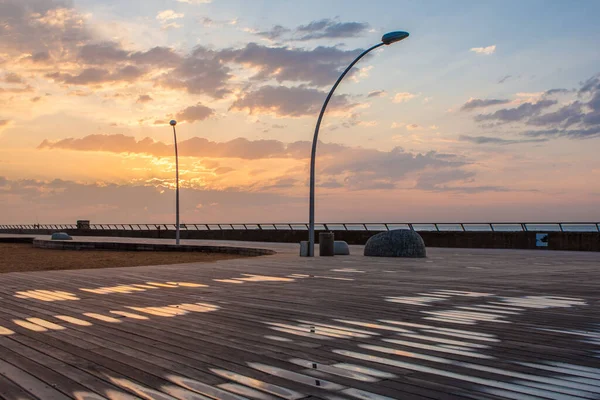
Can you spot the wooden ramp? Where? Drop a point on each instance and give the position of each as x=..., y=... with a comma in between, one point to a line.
x=479, y=324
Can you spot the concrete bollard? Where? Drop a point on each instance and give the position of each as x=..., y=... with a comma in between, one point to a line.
x=326, y=244
x=304, y=249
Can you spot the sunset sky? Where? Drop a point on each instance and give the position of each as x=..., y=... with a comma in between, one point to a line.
x=489, y=111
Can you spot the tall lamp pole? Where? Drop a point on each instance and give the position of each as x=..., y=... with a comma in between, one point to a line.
x=173, y=123
x=387, y=39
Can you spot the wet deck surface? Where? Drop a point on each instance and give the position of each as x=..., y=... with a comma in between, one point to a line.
x=481, y=324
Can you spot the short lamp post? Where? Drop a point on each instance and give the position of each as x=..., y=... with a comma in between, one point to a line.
x=387, y=39
x=173, y=123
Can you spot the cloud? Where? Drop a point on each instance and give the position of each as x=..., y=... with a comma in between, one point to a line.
x=11, y=77
x=504, y=78
x=168, y=15
x=403, y=97
x=583, y=133
x=565, y=116
x=195, y=1
x=144, y=98
x=40, y=27
x=195, y=113
x=194, y=147
x=130, y=203
x=523, y=112
x=577, y=119
x=413, y=127
x=4, y=122
x=274, y=33
x=201, y=72
x=102, y=53
x=496, y=140
x=110, y=53
x=377, y=93
x=319, y=67
x=481, y=103
x=286, y=101
x=358, y=168
x=331, y=29
x=433, y=179
x=321, y=29
x=484, y=50
x=96, y=76
x=158, y=56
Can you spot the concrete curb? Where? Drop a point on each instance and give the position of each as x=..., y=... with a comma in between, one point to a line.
x=117, y=246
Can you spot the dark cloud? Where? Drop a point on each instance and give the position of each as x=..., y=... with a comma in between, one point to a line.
x=40, y=57
x=195, y=113
x=110, y=53
x=556, y=91
x=157, y=56
x=504, y=78
x=94, y=76
x=321, y=29
x=331, y=29
x=319, y=67
x=194, y=147
x=288, y=101
x=102, y=53
x=481, y=103
x=11, y=77
x=377, y=93
x=496, y=140
x=566, y=116
x=144, y=98
x=583, y=133
x=40, y=26
x=274, y=33
x=202, y=72
x=579, y=119
x=523, y=112
x=373, y=169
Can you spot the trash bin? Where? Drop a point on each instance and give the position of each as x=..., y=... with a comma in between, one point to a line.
x=326, y=244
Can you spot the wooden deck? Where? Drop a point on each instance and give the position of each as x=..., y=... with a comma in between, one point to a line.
x=479, y=324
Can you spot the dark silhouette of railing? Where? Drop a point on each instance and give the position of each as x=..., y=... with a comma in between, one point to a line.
x=370, y=227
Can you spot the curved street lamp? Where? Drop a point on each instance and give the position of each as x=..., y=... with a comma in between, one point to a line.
x=173, y=123
x=387, y=39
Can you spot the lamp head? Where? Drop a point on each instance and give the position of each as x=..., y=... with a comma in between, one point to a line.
x=173, y=122
x=393, y=37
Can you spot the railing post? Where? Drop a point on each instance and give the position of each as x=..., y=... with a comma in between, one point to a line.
x=462, y=227
x=560, y=227
x=437, y=228
x=492, y=227
x=524, y=227
x=410, y=226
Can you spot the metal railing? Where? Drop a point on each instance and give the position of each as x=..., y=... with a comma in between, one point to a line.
x=371, y=227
